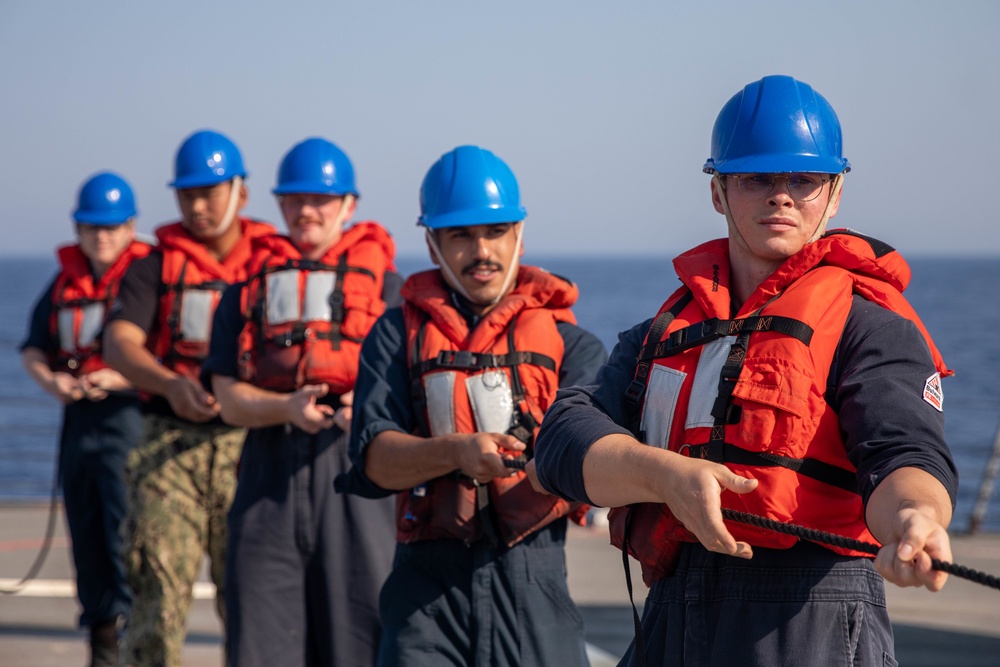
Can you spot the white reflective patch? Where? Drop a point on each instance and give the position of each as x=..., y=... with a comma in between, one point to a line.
x=705, y=388
x=93, y=320
x=439, y=388
x=67, y=337
x=90, y=326
x=197, y=307
x=282, y=297
x=319, y=287
x=658, y=409
x=492, y=401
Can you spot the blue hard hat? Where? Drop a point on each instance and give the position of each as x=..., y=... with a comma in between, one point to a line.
x=316, y=166
x=206, y=158
x=105, y=199
x=469, y=186
x=777, y=125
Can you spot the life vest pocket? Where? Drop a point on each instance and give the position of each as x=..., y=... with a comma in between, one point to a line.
x=766, y=385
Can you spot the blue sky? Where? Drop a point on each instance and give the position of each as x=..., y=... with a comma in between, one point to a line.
x=604, y=110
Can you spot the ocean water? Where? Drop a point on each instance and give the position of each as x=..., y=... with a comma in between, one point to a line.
x=956, y=297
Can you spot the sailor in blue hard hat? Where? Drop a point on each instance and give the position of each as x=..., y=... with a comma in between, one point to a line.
x=208, y=180
x=450, y=388
x=283, y=363
x=183, y=471
x=787, y=380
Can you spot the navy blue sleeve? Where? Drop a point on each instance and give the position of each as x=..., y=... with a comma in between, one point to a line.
x=381, y=399
x=583, y=355
x=139, y=293
x=584, y=414
x=883, y=364
x=39, y=335
x=391, y=284
x=224, y=348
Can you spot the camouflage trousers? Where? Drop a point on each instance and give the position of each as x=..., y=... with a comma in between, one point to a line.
x=181, y=481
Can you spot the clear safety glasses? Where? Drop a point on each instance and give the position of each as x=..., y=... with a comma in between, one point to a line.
x=801, y=187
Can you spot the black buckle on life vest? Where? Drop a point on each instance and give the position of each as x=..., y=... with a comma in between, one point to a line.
x=465, y=359
x=635, y=392
x=336, y=301
x=288, y=339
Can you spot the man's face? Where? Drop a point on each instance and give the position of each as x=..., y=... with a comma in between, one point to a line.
x=102, y=244
x=203, y=210
x=773, y=223
x=315, y=221
x=480, y=256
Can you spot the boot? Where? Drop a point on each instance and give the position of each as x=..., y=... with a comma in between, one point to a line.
x=104, y=644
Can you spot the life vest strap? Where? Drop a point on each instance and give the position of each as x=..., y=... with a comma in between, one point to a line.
x=724, y=452
x=713, y=329
x=298, y=335
x=470, y=361
x=316, y=265
x=637, y=389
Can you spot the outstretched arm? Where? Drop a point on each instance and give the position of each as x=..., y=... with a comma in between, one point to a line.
x=909, y=513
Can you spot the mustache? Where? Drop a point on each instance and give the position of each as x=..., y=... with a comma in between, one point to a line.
x=482, y=264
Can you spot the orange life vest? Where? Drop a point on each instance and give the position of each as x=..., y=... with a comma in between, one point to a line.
x=750, y=392
x=306, y=320
x=499, y=377
x=192, y=283
x=80, y=306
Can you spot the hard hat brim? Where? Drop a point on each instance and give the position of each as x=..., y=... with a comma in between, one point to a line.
x=313, y=188
x=474, y=217
x=104, y=218
x=778, y=164
x=201, y=181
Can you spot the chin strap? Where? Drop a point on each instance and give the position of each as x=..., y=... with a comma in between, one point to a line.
x=234, y=199
x=508, y=280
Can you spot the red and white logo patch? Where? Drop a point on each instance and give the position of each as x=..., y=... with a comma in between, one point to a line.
x=933, y=393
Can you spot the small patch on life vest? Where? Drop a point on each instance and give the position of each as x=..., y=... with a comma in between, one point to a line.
x=932, y=392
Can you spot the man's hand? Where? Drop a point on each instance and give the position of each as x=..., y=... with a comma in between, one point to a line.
x=65, y=388
x=480, y=455
x=906, y=560
x=342, y=417
x=97, y=384
x=692, y=489
x=306, y=413
x=190, y=401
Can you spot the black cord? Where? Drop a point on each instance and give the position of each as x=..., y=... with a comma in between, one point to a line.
x=46, y=542
x=827, y=538
x=867, y=547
